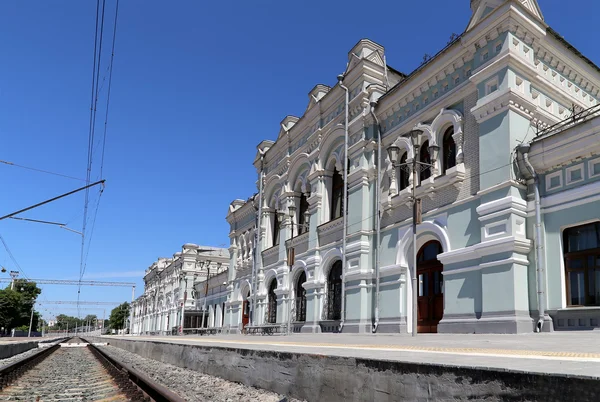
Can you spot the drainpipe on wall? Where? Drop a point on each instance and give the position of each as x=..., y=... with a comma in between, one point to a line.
x=377, y=216
x=523, y=150
x=344, y=203
x=257, y=242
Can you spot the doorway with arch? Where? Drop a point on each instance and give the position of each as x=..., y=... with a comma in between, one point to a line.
x=430, y=287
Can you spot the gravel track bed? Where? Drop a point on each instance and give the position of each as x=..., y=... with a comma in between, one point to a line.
x=192, y=385
x=68, y=374
x=12, y=359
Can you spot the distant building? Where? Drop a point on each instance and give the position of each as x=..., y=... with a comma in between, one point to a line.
x=168, y=281
x=507, y=80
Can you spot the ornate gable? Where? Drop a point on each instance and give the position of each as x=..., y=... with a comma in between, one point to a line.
x=315, y=94
x=481, y=9
x=365, y=49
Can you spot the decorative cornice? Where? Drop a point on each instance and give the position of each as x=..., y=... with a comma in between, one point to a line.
x=331, y=226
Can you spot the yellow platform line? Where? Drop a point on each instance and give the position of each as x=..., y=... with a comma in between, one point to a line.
x=408, y=348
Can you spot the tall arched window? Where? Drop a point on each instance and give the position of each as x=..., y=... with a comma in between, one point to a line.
x=425, y=157
x=272, y=303
x=275, y=229
x=334, y=292
x=337, y=195
x=301, y=298
x=403, y=174
x=302, y=214
x=449, y=150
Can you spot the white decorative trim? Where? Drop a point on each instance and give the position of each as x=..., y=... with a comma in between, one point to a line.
x=331, y=226
x=572, y=143
x=572, y=169
x=549, y=178
x=501, y=207
x=486, y=248
x=570, y=198
x=500, y=186
x=390, y=270
x=480, y=267
x=405, y=239
x=454, y=176
x=496, y=229
x=357, y=247
x=492, y=86
x=591, y=165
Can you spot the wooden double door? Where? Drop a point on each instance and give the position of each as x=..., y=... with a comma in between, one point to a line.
x=430, y=288
x=245, y=313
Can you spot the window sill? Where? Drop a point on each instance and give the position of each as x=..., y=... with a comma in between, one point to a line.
x=428, y=187
x=454, y=177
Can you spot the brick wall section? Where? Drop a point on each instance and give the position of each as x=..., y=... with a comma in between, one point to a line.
x=470, y=185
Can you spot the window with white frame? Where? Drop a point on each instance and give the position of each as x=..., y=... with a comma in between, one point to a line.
x=554, y=180
x=491, y=86
x=574, y=174
x=594, y=168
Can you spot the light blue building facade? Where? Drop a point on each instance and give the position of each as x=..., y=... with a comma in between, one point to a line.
x=326, y=243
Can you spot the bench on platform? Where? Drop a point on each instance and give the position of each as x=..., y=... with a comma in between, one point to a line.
x=202, y=331
x=265, y=329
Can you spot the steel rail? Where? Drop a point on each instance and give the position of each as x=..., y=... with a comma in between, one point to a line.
x=10, y=372
x=131, y=381
x=155, y=391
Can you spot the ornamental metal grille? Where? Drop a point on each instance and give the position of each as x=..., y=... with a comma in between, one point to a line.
x=272, y=307
x=300, y=299
x=334, y=292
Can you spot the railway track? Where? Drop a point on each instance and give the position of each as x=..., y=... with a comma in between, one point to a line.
x=77, y=371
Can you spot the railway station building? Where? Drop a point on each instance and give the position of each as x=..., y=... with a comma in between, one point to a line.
x=173, y=283
x=503, y=116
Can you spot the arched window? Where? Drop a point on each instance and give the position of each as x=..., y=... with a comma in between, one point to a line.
x=272, y=306
x=403, y=174
x=334, y=292
x=302, y=227
x=275, y=229
x=337, y=195
x=429, y=252
x=449, y=150
x=425, y=157
x=301, y=298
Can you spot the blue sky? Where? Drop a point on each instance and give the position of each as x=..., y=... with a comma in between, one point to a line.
x=196, y=86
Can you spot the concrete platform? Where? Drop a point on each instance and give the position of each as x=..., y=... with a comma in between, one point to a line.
x=566, y=353
x=344, y=367
x=13, y=346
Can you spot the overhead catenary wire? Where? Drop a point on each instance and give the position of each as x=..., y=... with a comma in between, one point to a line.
x=40, y=170
x=12, y=257
x=93, y=107
x=93, y=144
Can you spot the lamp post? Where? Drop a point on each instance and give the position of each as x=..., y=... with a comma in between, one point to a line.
x=205, y=292
x=290, y=257
x=414, y=167
x=31, y=319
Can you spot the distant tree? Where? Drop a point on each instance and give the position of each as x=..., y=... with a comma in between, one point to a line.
x=10, y=309
x=63, y=321
x=91, y=318
x=118, y=316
